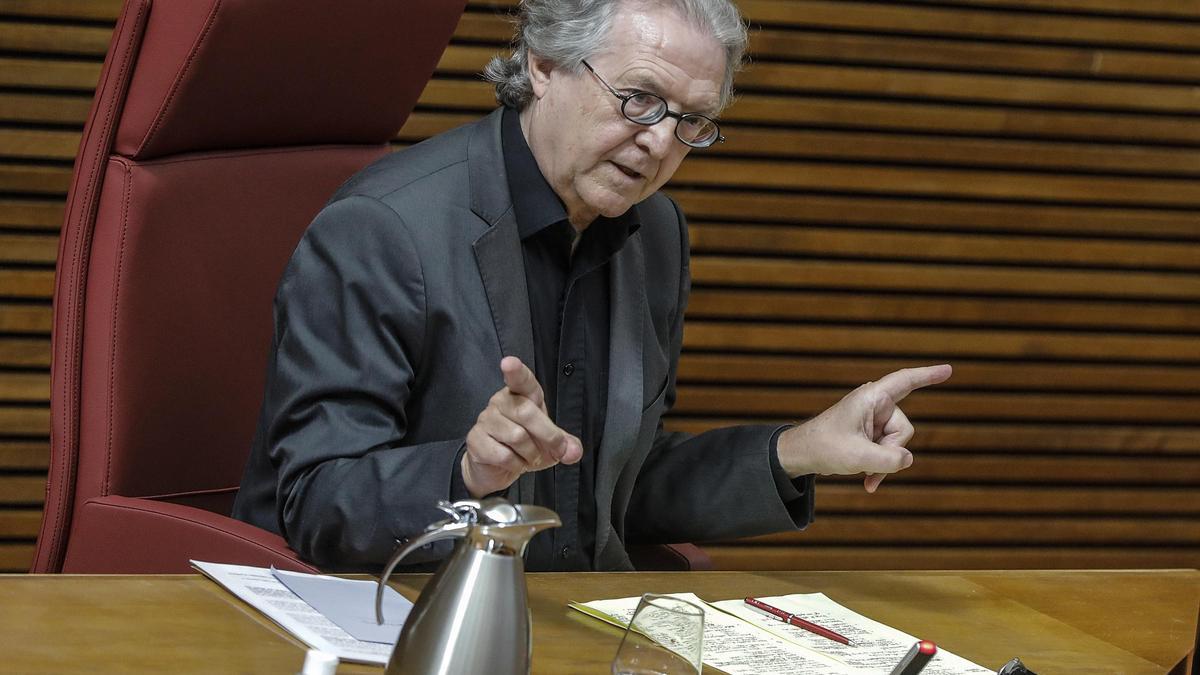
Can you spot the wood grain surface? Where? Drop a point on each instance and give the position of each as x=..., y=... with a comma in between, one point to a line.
x=1093, y=622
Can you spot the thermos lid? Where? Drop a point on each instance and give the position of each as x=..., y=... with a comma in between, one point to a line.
x=496, y=511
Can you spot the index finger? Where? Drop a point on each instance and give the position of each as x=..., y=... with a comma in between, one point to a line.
x=903, y=382
x=520, y=380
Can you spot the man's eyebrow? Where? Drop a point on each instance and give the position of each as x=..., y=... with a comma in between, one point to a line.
x=649, y=85
x=643, y=83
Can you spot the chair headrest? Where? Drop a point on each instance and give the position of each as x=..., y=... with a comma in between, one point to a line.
x=227, y=74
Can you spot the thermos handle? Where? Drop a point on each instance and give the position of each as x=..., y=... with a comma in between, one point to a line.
x=448, y=532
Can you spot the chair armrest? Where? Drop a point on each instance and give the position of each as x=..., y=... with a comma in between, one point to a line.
x=670, y=558
x=127, y=535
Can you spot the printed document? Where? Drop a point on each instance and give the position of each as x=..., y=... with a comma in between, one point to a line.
x=741, y=640
x=259, y=587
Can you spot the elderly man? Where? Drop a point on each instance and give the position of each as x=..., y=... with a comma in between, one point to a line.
x=499, y=310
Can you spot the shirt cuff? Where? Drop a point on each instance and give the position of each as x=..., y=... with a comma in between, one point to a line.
x=458, y=486
x=797, y=494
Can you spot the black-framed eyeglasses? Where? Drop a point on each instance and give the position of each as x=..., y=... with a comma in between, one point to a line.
x=642, y=107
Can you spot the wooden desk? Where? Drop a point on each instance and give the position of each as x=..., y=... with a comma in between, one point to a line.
x=1126, y=622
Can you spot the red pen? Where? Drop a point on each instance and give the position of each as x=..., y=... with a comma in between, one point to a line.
x=794, y=620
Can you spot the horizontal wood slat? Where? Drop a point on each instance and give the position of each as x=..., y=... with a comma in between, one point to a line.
x=35, y=179
x=948, y=557
x=16, y=557
x=31, y=214
x=831, y=177
x=987, y=529
x=53, y=38
x=1146, y=8
x=1026, y=27
x=904, y=148
x=969, y=88
x=25, y=318
x=853, y=307
x=958, y=279
x=933, y=214
x=24, y=352
x=28, y=387
x=98, y=10
x=946, y=343
x=1127, y=407
x=903, y=498
x=20, y=522
x=421, y=125
x=21, y=489
x=1068, y=470
x=26, y=283
x=23, y=143
x=44, y=108
x=25, y=420
x=1025, y=250
x=956, y=55
x=26, y=455
x=1024, y=438
x=49, y=74
x=28, y=248
x=765, y=369
x=943, y=118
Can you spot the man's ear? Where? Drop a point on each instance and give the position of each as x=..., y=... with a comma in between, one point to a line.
x=539, y=73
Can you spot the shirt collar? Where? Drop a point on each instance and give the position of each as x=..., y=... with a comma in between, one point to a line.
x=535, y=204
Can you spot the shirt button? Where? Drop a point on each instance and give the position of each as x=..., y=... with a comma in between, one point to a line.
x=565, y=552
x=568, y=369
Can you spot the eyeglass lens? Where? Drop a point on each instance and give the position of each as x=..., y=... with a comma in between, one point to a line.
x=693, y=129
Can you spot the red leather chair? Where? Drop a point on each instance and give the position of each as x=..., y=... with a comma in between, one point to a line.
x=218, y=130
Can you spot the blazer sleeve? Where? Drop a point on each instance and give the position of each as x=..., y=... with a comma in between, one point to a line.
x=349, y=330
x=719, y=484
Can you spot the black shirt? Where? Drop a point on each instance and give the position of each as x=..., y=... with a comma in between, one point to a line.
x=569, y=306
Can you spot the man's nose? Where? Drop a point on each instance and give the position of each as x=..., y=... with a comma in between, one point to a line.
x=658, y=139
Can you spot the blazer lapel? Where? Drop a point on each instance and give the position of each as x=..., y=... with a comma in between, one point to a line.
x=624, y=416
x=498, y=255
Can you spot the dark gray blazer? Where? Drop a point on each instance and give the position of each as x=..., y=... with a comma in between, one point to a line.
x=390, y=323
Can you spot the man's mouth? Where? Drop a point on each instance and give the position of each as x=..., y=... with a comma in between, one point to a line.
x=627, y=171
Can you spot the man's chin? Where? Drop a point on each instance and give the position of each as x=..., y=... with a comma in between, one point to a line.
x=615, y=204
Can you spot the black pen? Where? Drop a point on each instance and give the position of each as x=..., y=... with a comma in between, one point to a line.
x=916, y=658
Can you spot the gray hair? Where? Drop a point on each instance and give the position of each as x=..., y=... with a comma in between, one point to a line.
x=566, y=32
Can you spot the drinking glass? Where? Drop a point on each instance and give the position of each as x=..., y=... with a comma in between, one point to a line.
x=664, y=637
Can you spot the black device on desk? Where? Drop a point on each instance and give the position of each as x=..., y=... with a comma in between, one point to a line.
x=1015, y=667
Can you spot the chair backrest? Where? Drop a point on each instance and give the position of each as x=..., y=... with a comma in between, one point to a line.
x=218, y=130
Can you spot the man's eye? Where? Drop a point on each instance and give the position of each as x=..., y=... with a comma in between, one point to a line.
x=643, y=99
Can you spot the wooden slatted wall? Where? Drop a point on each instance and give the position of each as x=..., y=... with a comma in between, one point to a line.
x=1008, y=185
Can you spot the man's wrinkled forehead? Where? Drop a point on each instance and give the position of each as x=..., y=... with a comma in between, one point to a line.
x=668, y=38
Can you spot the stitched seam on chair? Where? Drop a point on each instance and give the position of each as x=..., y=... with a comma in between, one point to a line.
x=162, y=111
x=221, y=154
x=116, y=304
x=131, y=507
x=76, y=290
x=191, y=493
